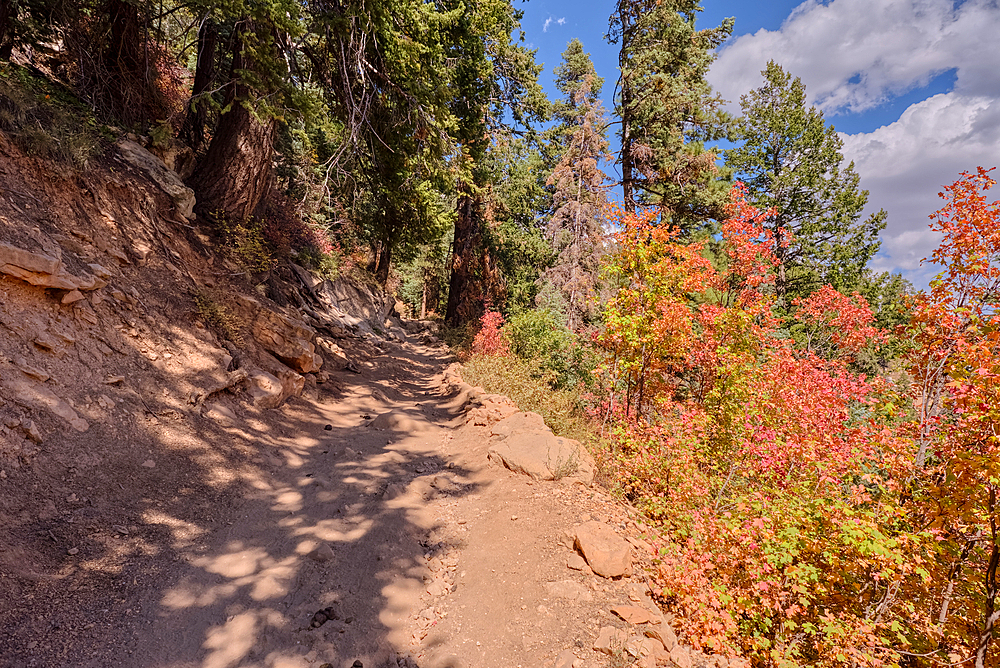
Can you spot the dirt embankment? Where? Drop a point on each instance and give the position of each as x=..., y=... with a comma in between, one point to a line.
x=316, y=487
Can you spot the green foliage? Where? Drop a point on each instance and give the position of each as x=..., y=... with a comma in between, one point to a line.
x=424, y=280
x=668, y=110
x=540, y=337
x=46, y=120
x=790, y=159
x=245, y=245
x=214, y=313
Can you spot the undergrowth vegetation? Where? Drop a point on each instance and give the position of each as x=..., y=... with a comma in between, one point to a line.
x=47, y=121
x=812, y=513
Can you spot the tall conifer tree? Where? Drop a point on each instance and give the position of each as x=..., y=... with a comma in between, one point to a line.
x=790, y=159
x=667, y=109
x=575, y=229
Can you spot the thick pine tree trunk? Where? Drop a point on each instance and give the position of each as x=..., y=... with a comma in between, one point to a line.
x=235, y=174
x=463, y=293
x=193, y=131
x=384, y=260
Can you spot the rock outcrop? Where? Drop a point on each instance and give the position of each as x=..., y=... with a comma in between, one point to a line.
x=168, y=181
x=290, y=339
x=45, y=271
x=524, y=444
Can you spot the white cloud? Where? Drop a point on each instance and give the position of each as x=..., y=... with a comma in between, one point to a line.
x=854, y=55
x=549, y=21
x=906, y=163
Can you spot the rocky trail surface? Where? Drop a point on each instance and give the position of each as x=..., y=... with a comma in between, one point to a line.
x=369, y=527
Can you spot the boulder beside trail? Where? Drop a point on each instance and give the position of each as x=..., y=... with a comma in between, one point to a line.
x=288, y=338
x=608, y=554
x=523, y=444
x=182, y=196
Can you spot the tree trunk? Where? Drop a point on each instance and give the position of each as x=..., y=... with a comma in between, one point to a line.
x=628, y=187
x=235, y=174
x=384, y=259
x=423, y=301
x=193, y=132
x=780, y=282
x=463, y=293
x=990, y=614
x=7, y=15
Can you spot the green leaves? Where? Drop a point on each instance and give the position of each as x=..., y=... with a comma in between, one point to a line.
x=791, y=160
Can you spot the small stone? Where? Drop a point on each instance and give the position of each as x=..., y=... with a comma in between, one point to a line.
x=73, y=550
x=565, y=659
x=651, y=647
x=105, y=402
x=45, y=342
x=611, y=640
x=437, y=588
x=72, y=297
x=29, y=370
x=632, y=614
x=606, y=552
x=634, y=645
x=114, y=380
x=322, y=553
x=664, y=634
x=149, y=463
x=427, y=614
x=32, y=430
x=99, y=271
x=576, y=562
x=681, y=656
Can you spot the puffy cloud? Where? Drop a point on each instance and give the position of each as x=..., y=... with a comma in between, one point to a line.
x=549, y=21
x=906, y=163
x=856, y=54
x=853, y=56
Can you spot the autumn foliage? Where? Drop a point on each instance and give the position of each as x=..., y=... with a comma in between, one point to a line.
x=811, y=515
x=815, y=516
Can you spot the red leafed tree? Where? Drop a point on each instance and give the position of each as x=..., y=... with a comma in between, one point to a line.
x=955, y=363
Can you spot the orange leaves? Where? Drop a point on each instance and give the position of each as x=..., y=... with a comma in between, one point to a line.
x=970, y=250
x=777, y=467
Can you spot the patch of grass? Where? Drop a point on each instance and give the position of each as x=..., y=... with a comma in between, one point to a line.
x=215, y=315
x=46, y=120
x=531, y=388
x=563, y=468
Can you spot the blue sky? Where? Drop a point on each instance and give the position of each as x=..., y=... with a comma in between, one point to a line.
x=913, y=86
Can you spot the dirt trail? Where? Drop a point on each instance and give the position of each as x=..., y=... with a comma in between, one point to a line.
x=438, y=558
x=379, y=505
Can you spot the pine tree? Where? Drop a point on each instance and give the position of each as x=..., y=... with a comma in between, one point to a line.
x=668, y=110
x=492, y=74
x=575, y=229
x=790, y=159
